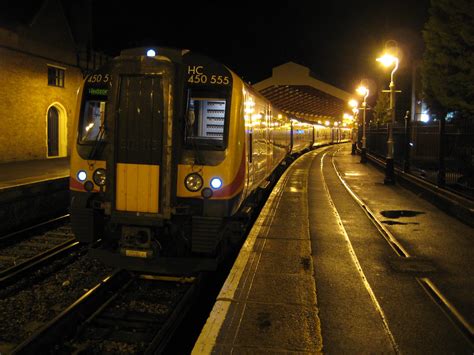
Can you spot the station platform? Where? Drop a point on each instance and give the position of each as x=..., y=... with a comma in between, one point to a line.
x=315, y=275
x=13, y=174
x=32, y=192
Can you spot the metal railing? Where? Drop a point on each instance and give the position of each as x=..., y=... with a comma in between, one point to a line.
x=441, y=155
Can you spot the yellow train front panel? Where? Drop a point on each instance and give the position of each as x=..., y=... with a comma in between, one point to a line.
x=137, y=188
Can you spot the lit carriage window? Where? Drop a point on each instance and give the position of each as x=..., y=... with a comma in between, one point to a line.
x=92, y=124
x=205, y=121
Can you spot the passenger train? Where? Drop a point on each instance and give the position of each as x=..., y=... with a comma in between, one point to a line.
x=172, y=151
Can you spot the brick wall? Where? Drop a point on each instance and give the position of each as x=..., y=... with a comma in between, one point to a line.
x=24, y=100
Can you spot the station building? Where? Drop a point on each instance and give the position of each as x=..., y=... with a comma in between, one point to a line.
x=44, y=55
x=295, y=90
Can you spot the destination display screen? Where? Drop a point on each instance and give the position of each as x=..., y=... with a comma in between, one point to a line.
x=97, y=85
x=94, y=105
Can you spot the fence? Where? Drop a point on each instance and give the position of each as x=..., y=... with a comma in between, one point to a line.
x=442, y=155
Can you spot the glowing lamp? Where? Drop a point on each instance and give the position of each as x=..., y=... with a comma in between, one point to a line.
x=81, y=175
x=362, y=90
x=216, y=183
x=387, y=60
x=353, y=103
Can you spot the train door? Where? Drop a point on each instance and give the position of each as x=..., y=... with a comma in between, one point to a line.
x=249, y=109
x=269, y=139
x=139, y=142
x=259, y=156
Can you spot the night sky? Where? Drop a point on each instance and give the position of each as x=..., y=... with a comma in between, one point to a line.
x=337, y=40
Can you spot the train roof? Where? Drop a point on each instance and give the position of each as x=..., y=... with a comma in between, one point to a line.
x=186, y=56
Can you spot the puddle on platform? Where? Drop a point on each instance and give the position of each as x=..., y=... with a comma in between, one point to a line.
x=391, y=223
x=293, y=189
x=400, y=213
x=353, y=173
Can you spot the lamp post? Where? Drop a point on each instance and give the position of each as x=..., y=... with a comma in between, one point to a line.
x=362, y=90
x=388, y=60
x=353, y=103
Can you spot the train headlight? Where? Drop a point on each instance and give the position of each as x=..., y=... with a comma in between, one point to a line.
x=99, y=177
x=81, y=175
x=216, y=183
x=151, y=53
x=193, y=182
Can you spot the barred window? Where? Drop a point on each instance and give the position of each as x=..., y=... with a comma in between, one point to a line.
x=55, y=76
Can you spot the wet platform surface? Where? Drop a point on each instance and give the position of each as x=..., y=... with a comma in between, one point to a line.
x=32, y=192
x=27, y=172
x=315, y=275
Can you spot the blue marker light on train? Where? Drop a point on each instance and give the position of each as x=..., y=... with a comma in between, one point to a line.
x=81, y=175
x=151, y=53
x=216, y=183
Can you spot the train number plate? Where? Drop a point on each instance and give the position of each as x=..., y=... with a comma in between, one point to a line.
x=137, y=253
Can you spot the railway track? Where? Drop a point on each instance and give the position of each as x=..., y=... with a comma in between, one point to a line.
x=425, y=281
x=47, y=270
x=125, y=313
x=107, y=316
x=14, y=237
x=394, y=247
x=27, y=250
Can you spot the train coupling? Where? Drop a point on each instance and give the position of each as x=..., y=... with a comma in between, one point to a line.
x=138, y=242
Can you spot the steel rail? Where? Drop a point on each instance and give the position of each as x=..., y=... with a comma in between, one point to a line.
x=426, y=283
x=391, y=240
x=165, y=333
x=66, y=322
x=12, y=274
x=7, y=238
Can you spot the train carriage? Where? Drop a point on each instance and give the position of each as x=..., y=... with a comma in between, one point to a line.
x=170, y=147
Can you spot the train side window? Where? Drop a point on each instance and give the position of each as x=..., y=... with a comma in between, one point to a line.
x=92, y=123
x=206, y=119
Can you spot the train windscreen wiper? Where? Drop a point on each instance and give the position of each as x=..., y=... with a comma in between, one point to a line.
x=98, y=139
x=190, y=122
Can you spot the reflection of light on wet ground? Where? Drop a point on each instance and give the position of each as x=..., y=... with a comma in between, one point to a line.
x=353, y=173
x=294, y=189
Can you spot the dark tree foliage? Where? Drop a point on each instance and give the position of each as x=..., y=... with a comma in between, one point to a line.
x=448, y=61
x=381, y=110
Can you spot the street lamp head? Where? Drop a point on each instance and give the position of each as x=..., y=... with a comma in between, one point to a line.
x=363, y=91
x=387, y=60
x=353, y=103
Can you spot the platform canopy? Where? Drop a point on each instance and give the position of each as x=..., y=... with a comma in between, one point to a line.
x=293, y=89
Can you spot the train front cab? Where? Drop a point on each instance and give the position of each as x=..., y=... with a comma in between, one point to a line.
x=160, y=196
x=124, y=127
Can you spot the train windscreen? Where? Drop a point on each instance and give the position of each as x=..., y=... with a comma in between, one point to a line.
x=92, y=123
x=205, y=119
x=94, y=105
